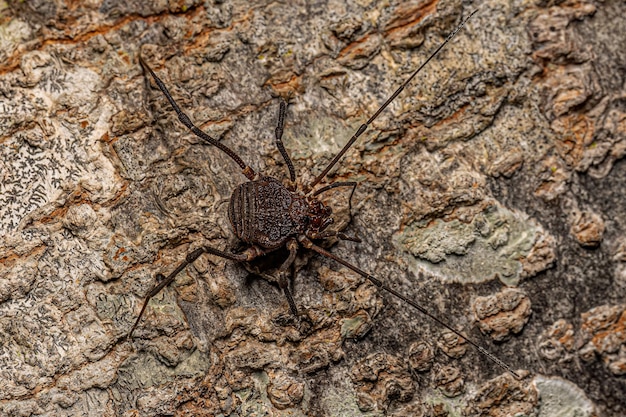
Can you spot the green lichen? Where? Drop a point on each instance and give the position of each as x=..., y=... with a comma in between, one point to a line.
x=144, y=370
x=561, y=398
x=341, y=402
x=354, y=327
x=491, y=245
x=452, y=406
x=254, y=402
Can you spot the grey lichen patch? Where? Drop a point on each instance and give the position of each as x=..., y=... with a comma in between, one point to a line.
x=163, y=315
x=340, y=399
x=58, y=129
x=16, y=283
x=48, y=330
x=356, y=326
x=443, y=405
x=145, y=370
x=252, y=403
x=561, y=398
x=435, y=243
x=113, y=308
x=12, y=33
x=493, y=244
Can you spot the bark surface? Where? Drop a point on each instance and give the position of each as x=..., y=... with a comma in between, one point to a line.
x=491, y=191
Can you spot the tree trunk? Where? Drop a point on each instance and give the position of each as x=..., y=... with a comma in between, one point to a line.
x=491, y=191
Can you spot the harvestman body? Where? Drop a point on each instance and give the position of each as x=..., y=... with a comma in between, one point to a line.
x=268, y=215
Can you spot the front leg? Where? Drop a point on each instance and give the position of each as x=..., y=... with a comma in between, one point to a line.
x=283, y=279
x=279, y=141
x=247, y=255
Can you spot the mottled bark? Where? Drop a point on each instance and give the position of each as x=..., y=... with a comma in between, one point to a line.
x=492, y=191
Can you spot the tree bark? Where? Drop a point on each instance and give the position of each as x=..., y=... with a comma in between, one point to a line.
x=491, y=192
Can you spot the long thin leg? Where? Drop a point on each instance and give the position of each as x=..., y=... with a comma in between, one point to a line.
x=329, y=234
x=279, y=140
x=352, y=184
x=310, y=245
x=184, y=119
x=247, y=255
x=365, y=125
x=283, y=281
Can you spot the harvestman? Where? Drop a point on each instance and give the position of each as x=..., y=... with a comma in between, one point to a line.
x=267, y=215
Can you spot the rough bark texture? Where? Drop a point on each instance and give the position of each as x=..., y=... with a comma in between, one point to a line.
x=492, y=191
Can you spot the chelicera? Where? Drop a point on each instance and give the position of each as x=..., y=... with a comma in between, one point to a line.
x=267, y=215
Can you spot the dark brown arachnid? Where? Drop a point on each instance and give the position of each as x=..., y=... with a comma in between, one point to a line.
x=267, y=216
